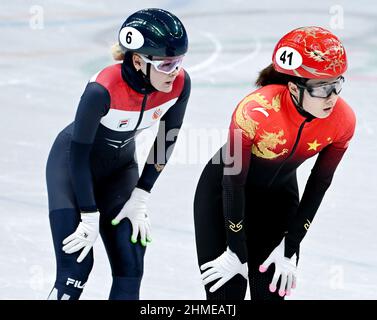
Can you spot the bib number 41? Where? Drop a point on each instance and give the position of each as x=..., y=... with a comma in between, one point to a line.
x=288, y=58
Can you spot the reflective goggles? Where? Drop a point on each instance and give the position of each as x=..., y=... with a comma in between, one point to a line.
x=324, y=90
x=166, y=66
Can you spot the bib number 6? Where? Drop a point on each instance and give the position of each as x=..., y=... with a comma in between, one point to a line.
x=128, y=37
x=131, y=38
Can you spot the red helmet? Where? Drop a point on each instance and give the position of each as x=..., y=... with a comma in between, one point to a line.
x=310, y=52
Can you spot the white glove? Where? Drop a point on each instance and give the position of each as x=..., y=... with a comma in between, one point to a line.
x=135, y=210
x=225, y=267
x=284, y=268
x=84, y=236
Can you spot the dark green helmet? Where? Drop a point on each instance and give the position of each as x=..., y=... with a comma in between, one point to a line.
x=154, y=32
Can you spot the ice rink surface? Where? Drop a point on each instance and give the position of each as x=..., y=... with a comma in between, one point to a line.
x=44, y=71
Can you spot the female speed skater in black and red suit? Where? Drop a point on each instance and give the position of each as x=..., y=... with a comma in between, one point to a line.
x=92, y=173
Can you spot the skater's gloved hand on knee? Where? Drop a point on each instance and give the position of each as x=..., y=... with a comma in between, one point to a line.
x=224, y=268
x=135, y=210
x=84, y=236
x=285, y=269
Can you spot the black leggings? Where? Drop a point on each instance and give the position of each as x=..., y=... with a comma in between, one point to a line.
x=266, y=214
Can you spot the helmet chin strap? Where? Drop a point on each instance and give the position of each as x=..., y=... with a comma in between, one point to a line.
x=298, y=104
x=136, y=79
x=148, y=75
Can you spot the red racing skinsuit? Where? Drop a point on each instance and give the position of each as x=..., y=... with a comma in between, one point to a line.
x=276, y=140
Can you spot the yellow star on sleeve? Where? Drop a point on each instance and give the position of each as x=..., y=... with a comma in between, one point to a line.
x=314, y=145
